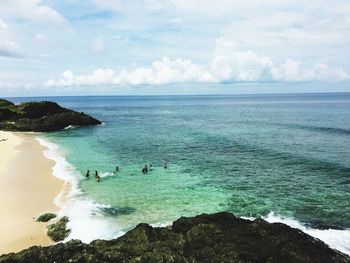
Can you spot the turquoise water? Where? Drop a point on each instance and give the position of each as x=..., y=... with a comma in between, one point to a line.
x=248, y=154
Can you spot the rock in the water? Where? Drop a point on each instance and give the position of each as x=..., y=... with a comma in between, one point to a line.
x=40, y=116
x=117, y=211
x=58, y=231
x=220, y=237
x=45, y=217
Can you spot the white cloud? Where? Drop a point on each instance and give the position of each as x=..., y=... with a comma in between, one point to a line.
x=229, y=64
x=232, y=64
x=161, y=72
x=293, y=71
x=31, y=10
x=165, y=71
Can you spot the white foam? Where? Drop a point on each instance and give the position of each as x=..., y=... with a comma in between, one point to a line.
x=165, y=224
x=85, y=219
x=106, y=174
x=86, y=222
x=62, y=169
x=337, y=239
x=69, y=127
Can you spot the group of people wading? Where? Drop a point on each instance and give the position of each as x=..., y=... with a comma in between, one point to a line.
x=145, y=170
x=98, y=178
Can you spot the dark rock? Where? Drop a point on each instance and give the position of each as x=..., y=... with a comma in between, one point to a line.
x=117, y=211
x=45, y=217
x=8, y=110
x=220, y=237
x=58, y=231
x=40, y=116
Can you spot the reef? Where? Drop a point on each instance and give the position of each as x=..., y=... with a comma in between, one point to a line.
x=220, y=237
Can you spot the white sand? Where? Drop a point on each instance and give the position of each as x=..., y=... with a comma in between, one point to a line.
x=27, y=190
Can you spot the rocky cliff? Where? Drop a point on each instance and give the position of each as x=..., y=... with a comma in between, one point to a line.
x=220, y=237
x=40, y=116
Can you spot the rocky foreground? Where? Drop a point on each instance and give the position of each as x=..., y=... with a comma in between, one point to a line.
x=40, y=117
x=220, y=237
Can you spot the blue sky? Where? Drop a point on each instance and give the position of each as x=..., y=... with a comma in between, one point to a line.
x=173, y=46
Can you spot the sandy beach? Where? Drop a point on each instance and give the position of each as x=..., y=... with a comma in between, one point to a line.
x=27, y=190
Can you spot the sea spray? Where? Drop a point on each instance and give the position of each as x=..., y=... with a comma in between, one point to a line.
x=337, y=239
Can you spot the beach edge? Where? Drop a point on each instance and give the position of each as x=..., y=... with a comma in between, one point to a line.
x=28, y=189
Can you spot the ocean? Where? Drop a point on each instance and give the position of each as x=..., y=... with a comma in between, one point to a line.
x=282, y=157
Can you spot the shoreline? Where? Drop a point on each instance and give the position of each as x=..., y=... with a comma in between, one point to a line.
x=28, y=189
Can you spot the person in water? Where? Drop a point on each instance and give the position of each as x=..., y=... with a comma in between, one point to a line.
x=150, y=167
x=145, y=169
x=117, y=169
x=165, y=165
x=96, y=174
x=87, y=174
x=98, y=178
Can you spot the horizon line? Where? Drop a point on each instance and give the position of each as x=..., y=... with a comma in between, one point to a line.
x=179, y=95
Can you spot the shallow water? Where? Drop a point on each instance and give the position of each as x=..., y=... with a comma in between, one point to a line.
x=251, y=155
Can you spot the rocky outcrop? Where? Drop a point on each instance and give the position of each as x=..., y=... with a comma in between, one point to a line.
x=220, y=237
x=45, y=217
x=58, y=231
x=40, y=116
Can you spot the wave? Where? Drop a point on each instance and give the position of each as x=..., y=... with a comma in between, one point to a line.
x=335, y=238
x=69, y=127
x=62, y=170
x=106, y=174
x=86, y=219
x=318, y=128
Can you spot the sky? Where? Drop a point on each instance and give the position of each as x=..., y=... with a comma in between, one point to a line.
x=104, y=47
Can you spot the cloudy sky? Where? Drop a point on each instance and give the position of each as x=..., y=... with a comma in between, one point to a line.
x=64, y=47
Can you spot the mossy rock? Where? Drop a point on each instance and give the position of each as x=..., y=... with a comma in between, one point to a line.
x=46, y=217
x=58, y=231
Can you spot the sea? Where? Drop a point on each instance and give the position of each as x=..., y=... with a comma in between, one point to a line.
x=281, y=157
